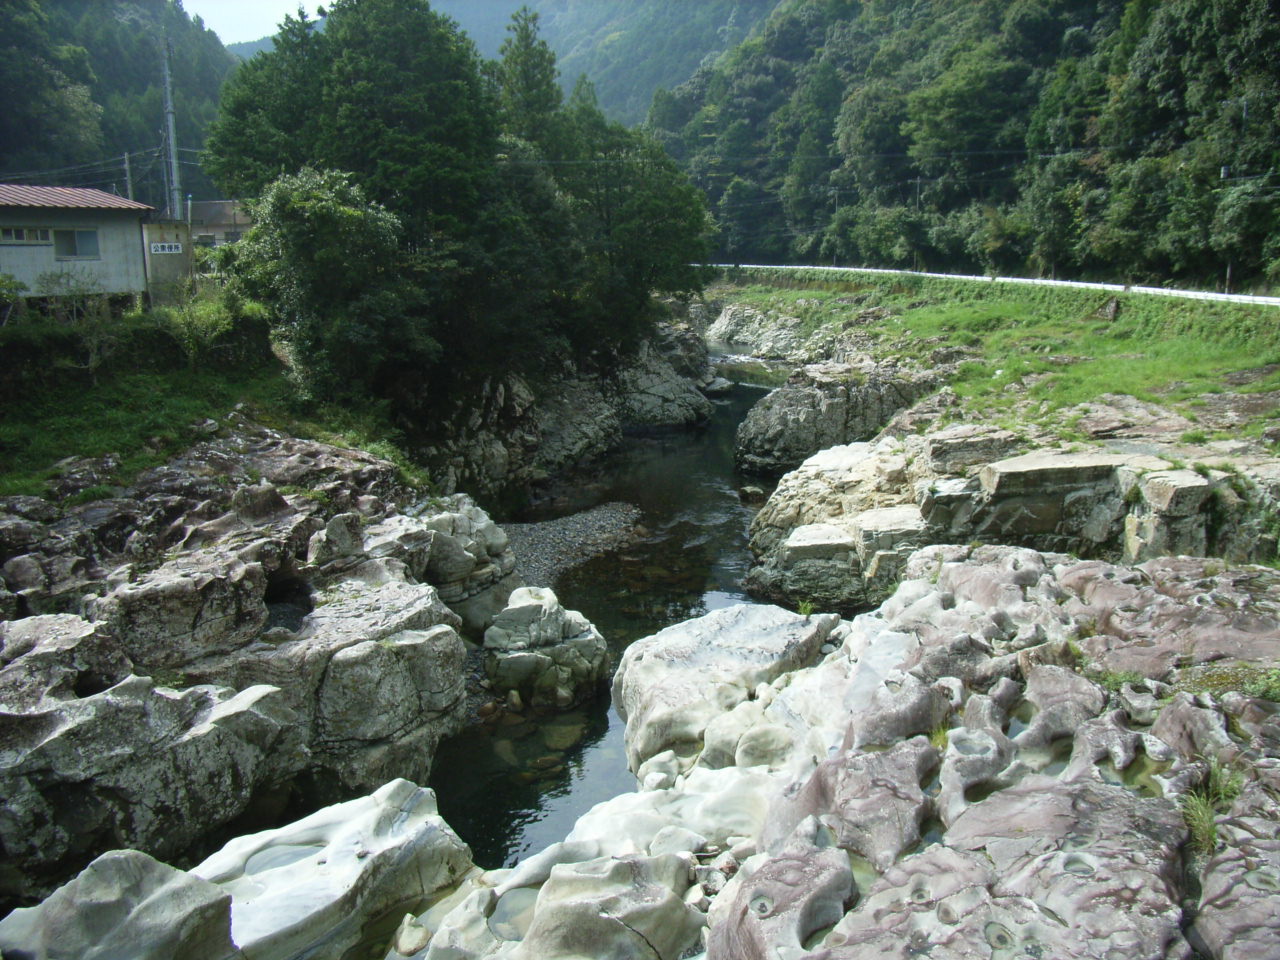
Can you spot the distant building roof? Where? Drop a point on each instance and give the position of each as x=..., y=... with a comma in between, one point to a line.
x=71, y=198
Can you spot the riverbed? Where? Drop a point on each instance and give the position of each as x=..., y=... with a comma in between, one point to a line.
x=514, y=787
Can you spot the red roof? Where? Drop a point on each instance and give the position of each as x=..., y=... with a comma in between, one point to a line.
x=72, y=198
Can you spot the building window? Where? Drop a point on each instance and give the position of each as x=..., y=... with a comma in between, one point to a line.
x=26, y=235
x=75, y=244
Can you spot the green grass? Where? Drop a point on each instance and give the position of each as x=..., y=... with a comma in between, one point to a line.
x=143, y=417
x=147, y=418
x=1156, y=349
x=1114, y=680
x=1202, y=804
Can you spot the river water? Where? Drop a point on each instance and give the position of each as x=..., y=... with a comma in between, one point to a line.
x=512, y=789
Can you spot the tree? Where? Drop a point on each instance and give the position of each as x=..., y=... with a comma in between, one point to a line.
x=642, y=223
x=389, y=92
x=528, y=88
x=328, y=260
x=405, y=109
x=257, y=135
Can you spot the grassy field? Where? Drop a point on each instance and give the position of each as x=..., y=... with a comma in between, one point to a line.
x=1064, y=346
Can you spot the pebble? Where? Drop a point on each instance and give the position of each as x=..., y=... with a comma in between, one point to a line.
x=547, y=549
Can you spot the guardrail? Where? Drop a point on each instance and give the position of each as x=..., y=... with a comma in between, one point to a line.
x=1031, y=281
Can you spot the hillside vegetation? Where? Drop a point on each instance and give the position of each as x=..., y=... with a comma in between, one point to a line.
x=1127, y=139
x=628, y=49
x=81, y=84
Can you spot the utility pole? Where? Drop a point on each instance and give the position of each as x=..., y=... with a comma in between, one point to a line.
x=128, y=177
x=171, y=140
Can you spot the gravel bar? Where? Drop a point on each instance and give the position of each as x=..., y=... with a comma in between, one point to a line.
x=547, y=549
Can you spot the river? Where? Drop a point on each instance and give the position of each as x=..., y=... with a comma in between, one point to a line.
x=513, y=789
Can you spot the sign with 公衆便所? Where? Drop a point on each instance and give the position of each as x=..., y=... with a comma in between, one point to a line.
x=166, y=248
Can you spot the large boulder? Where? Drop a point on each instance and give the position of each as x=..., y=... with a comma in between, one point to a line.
x=314, y=888
x=375, y=674
x=825, y=405
x=553, y=657
x=671, y=685
x=125, y=904
x=311, y=888
x=135, y=764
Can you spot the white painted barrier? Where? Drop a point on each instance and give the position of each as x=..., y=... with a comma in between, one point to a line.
x=1033, y=281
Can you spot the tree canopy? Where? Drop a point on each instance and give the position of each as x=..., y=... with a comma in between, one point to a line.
x=526, y=227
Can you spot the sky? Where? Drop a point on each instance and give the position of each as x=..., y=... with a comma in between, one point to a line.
x=236, y=21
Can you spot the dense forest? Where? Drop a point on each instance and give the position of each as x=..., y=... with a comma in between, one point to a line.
x=431, y=218
x=1106, y=139
x=81, y=83
x=1090, y=138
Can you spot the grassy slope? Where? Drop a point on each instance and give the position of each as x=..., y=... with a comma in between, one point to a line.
x=146, y=418
x=1156, y=349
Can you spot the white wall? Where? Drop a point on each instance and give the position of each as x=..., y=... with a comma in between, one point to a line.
x=119, y=267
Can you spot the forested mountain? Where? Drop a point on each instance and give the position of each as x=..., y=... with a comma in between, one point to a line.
x=81, y=84
x=626, y=48
x=1097, y=138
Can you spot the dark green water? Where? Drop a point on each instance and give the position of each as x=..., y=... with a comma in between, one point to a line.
x=512, y=790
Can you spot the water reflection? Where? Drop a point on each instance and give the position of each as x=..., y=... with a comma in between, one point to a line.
x=511, y=789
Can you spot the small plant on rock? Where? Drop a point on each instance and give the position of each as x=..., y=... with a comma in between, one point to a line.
x=1201, y=805
x=939, y=735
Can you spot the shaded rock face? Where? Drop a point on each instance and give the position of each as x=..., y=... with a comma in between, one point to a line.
x=838, y=528
x=825, y=405
x=508, y=436
x=944, y=781
x=228, y=646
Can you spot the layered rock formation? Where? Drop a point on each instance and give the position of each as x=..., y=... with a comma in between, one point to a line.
x=838, y=528
x=508, y=435
x=551, y=657
x=945, y=780
x=961, y=772
x=260, y=610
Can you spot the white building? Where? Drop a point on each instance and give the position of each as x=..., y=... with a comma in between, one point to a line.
x=63, y=239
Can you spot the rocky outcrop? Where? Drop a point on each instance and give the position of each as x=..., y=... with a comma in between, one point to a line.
x=838, y=528
x=946, y=773
x=134, y=764
x=551, y=657
x=825, y=405
x=308, y=889
x=706, y=667
x=227, y=646
x=789, y=337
